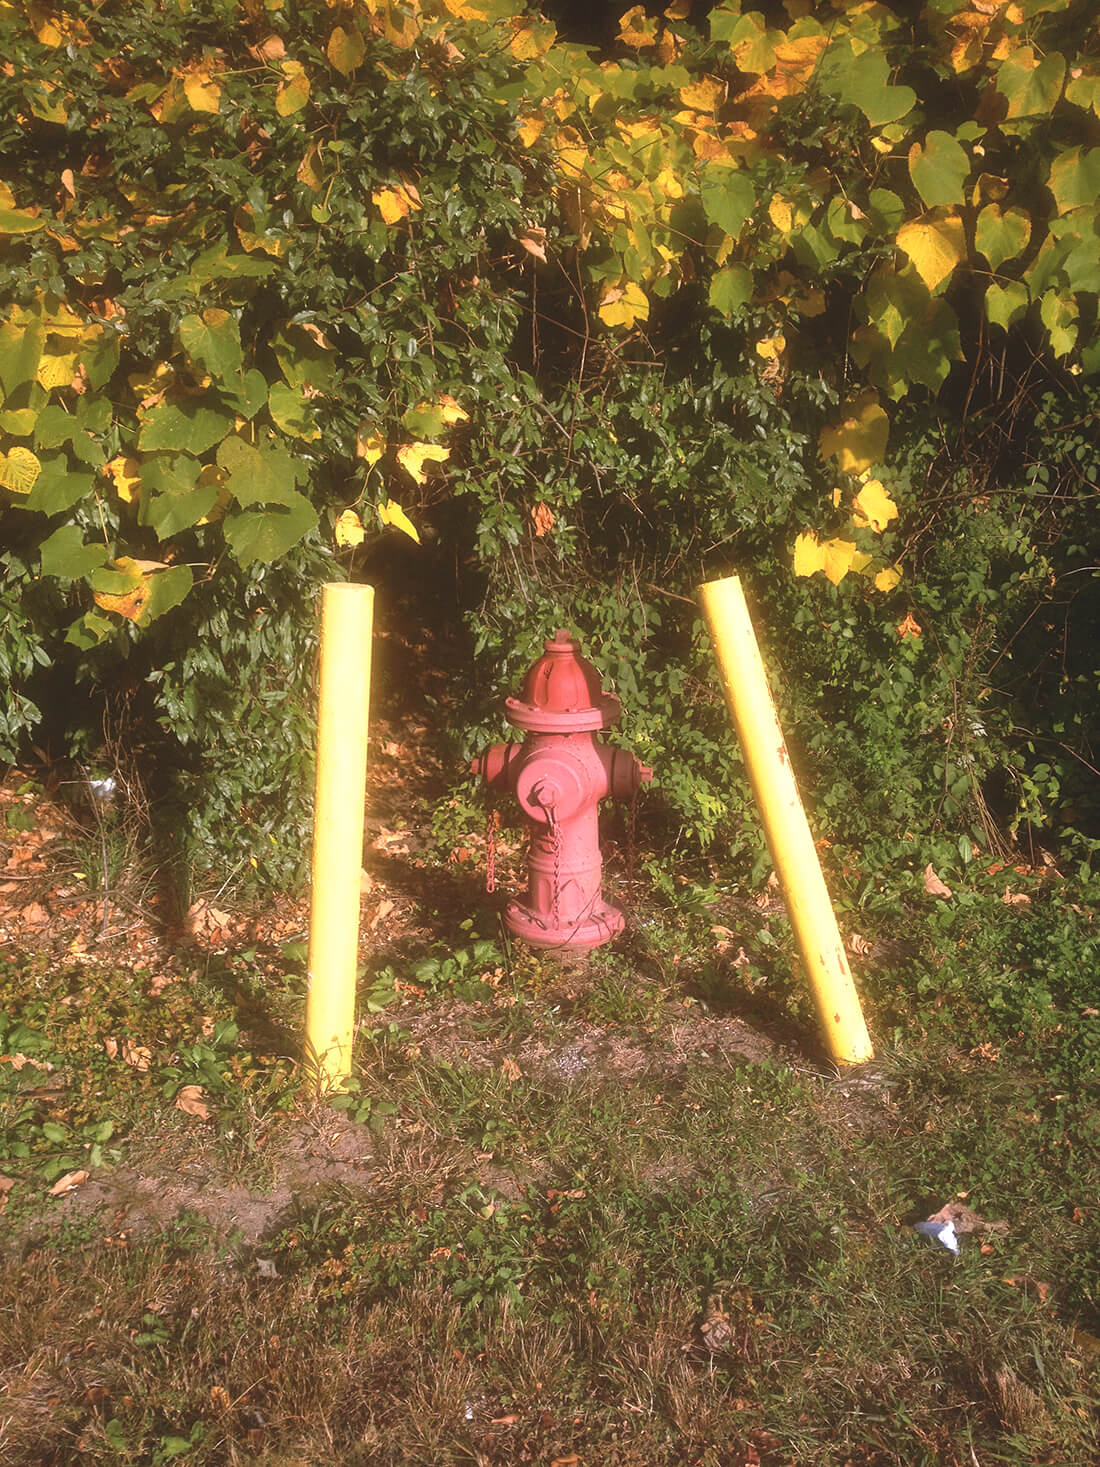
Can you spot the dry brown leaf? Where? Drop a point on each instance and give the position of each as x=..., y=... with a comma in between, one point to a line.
x=543, y=517
x=272, y=49
x=859, y=946
x=111, y=1046
x=384, y=910
x=504, y=1421
x=68, y=1183
x=35, y=915
x=1015, y=898
x=933, y=885
x=534, y=242
x=190, y=1101
x=6, y=1184
x=571, y=1461
x=219, y=1398
x=910, y=627
x=509, y=1069
x=715, y=1327
x=138, y=1055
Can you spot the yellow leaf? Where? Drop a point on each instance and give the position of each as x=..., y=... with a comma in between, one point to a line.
x=530, y=40
x=349, y=528
x=309, y=169
x=781, y=214
x=396, y=203
x=874, y=506
x=391, y=513
x=370, y=445
x=19, y=470
x=413, y=456
x=346, y=50
x=202, y=92
x=705, y=95
x=622, y=305
x=935, y=243
x=636, y=29
x=452, y=413
x=126, y=474
x=668, y=183
x=771, y=348
x=56, y=371
x=860, y=440
x=129, y=603
x=530, y=129
x=887, y=578
x=809, y=554
x=839, y=557
x=293, y=95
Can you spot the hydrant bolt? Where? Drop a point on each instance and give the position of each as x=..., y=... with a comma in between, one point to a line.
x=559, y=774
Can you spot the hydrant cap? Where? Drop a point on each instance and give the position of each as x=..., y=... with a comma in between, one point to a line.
x=562, y=692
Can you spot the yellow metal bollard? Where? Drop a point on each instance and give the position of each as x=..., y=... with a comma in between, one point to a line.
x=789, y=839
x=347, y=615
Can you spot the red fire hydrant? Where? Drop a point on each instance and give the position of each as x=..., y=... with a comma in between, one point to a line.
x=559, y=774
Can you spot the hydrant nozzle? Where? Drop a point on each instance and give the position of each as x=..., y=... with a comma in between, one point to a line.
x=559, y=774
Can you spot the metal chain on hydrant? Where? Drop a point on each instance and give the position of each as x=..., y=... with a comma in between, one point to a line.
x=492, y=820
x=555, y=837
x=631, y=825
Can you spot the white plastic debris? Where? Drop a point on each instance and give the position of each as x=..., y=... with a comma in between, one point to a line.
x=943, y=1232
x=103, y=789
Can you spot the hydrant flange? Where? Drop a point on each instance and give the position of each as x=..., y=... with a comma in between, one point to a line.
x=559, y=774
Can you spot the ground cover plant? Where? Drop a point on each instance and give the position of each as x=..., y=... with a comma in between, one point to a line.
x=618, y=1210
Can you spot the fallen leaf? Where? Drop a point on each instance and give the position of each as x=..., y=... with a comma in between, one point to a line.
x=504, y=1421
x=219, y=1398
x=35, y=915
x=137, y=1055
x=1015, y=898
x=933, y=885
x=68, y=1183
x=384, y=910
x=509, y=1069
x=715, y=1328
x=859, y=945
x=6, y=1184
x=111, y=1046
x=190, y=1101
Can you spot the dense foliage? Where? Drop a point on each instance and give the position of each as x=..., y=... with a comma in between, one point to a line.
x=810, y=294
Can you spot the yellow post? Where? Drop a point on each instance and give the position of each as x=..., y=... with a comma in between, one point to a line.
x=789, y=839
x=347, y=614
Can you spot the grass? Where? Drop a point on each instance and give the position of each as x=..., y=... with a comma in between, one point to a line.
x=617, y=1211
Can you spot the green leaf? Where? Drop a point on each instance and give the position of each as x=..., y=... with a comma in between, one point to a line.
x=1031, y=85
x=731, y=289
x=168, y=514
x=1001, y=235
x=18, y=221
x=863, y=81
x=247, y=393
x=167, y=588
x=214, y=341
x=939, y=169
x=894, y=299
x=885, y=211
x=265, y=475
x=89, y=630
x=66, y=556
x=1006, y=304
x=99, y=358
x=1059, y=315
x=305, y=362
x=188, y=427
x=56, y=489
x=812, y=250
x=20, y=352
x=728, y=198
x=1075, y=179
x=290, y=412
x=1082, y=265
x=265, y=535
x=846, y=221
x=19, y=422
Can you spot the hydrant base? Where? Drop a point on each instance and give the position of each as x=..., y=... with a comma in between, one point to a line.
x=602, y=924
